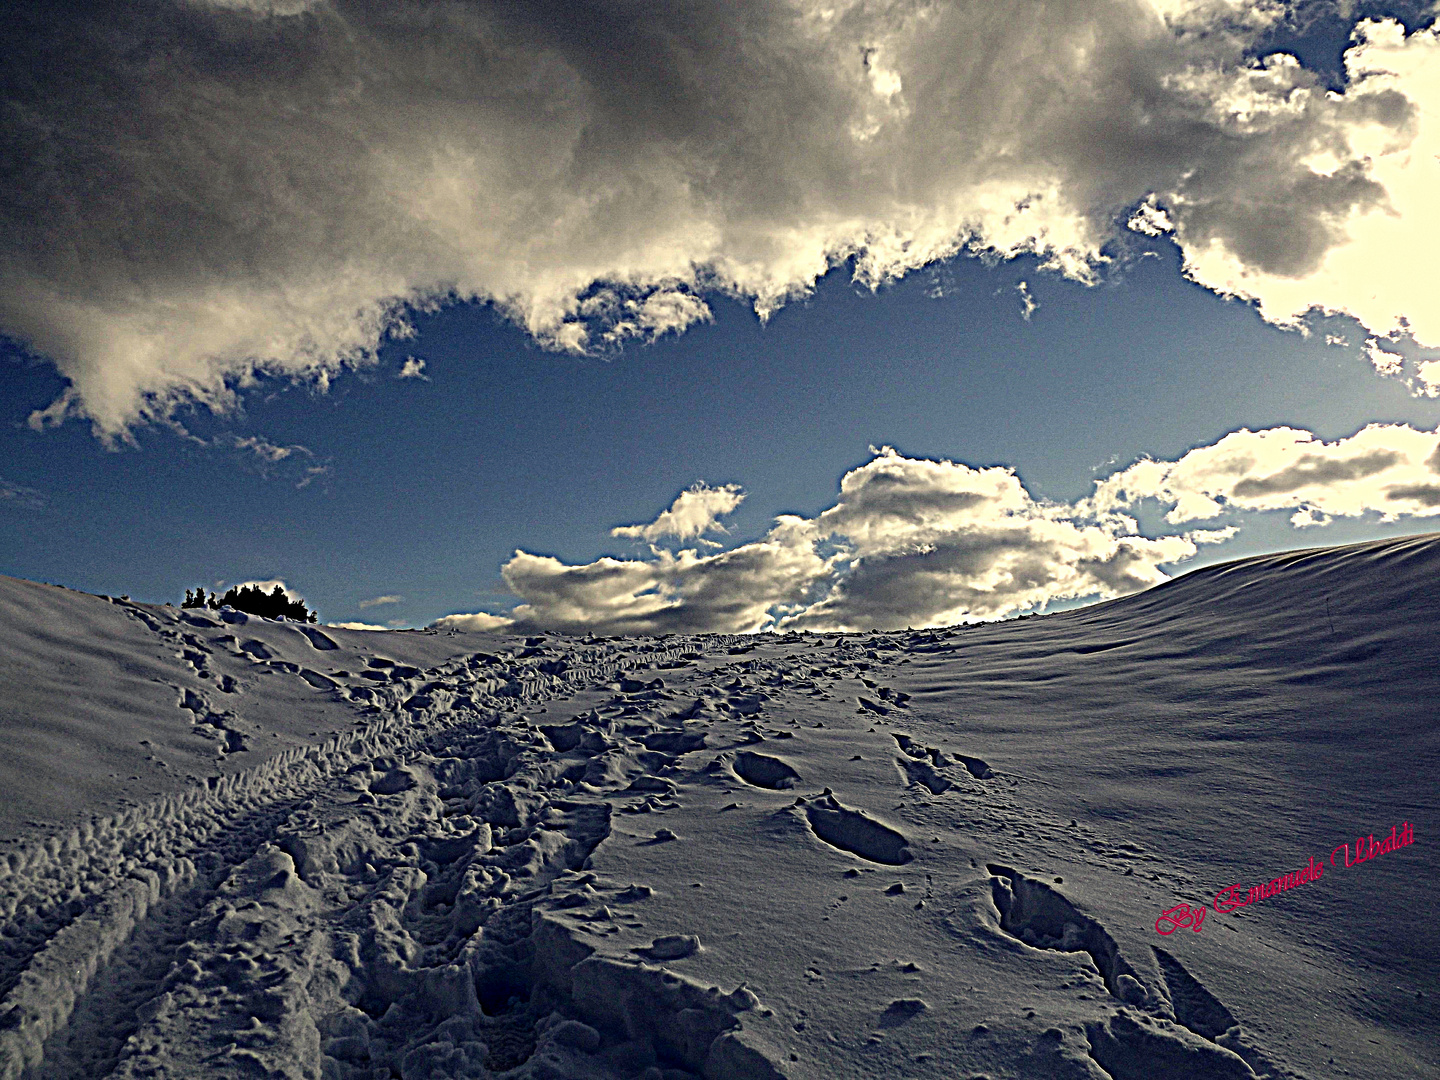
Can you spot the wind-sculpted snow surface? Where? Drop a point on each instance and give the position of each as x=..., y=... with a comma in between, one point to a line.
x=920, y=854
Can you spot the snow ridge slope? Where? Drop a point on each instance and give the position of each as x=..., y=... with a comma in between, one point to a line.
x=927, y=854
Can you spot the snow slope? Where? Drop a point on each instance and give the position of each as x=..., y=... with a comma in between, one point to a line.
x=928, y=854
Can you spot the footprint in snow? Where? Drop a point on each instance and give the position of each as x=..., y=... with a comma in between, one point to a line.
x=761, y=770
x=318, y=681
x=671, y=947
x=318, y=639
x=922, y=772
x=901, y=1011
x=852, y=831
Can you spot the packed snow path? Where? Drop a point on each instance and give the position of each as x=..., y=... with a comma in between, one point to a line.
x=920, y=854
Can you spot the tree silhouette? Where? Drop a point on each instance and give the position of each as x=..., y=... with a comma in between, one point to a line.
x=254, y=601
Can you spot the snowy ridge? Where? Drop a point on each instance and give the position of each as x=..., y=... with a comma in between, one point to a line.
x=142, y=854
x=36, y=874
x=924, y=853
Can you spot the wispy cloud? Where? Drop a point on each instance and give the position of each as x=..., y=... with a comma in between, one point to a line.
x=281, y=216
x=259, y=453
x=1027, y=302
x=13, y=494
x=378, y=600
x=312, y=473
x=263, y=449
x=695, y=511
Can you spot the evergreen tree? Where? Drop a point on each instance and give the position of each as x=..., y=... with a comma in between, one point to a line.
x=255, y=601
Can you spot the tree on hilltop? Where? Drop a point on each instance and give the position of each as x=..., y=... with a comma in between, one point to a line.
x=254, y=601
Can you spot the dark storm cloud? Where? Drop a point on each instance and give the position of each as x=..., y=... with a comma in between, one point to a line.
x=1423, y=494
x=1317, y=470
x=196, y=193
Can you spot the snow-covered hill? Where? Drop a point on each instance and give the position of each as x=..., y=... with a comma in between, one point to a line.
x=236, y=847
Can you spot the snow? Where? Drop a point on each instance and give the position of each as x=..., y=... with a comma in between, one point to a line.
x=237, y=847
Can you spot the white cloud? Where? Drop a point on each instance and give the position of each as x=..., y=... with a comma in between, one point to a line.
x=1027, y=302
x=695, y=511
x=1335, y=208
x=1385, y=361
x=1428, y=374
x=413, y=368
x=914, y=542
x=378, y=600
x=1212, y=536
x=281, y=215
x=665, y=311
x=356, y=626
x=1150, y=219
x=727, y=592
x=1390, y=470
x=938, y=542
x=909, y=542
x=477, y=621
x=266, y=451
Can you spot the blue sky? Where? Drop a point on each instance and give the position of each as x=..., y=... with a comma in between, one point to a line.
x=362, y=484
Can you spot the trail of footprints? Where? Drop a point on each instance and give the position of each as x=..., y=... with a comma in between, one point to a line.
x=1173, y=1028
x=229, y=904
x=396, y=903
